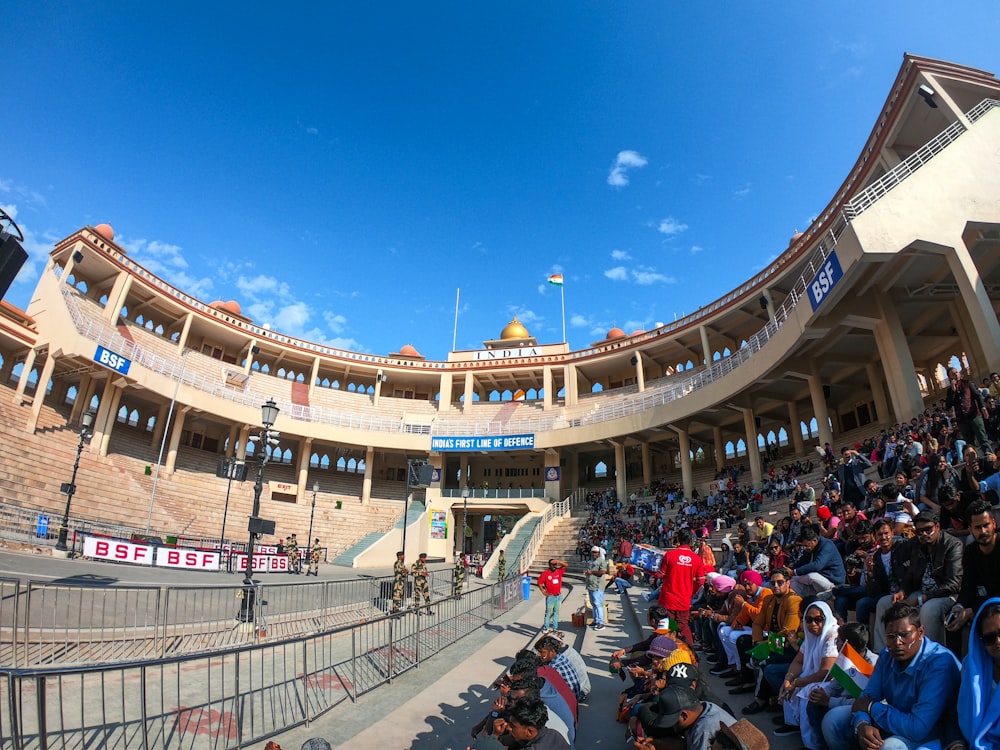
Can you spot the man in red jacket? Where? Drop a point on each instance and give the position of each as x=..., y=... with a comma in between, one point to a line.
x=682, y=571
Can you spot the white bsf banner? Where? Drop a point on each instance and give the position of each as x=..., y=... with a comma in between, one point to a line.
x=264, y=563
x=109, y=549
x=191, y=559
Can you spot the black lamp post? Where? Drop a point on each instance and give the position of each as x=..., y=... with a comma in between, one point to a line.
x=268, y=438
x=234, y=469
x=86, y=421
x=312, y=512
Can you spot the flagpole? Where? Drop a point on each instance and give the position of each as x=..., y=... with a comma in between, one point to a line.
x=562, y=293
x=454, y=338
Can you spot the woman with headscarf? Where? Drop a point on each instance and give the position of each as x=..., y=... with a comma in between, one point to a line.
x=811, y=666
x=978, y=696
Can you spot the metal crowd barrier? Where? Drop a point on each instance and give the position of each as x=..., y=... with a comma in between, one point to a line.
x=232, y=696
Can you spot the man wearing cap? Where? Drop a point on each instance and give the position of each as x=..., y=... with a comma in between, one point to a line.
x=458, y=576
x=677, y=713
x=420, y=588
x=398, y=582
x=550, y=584
x=599, y=568
x=682, y=571
x=748, y=604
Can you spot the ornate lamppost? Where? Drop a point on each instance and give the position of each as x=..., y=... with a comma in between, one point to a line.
x=86, y=421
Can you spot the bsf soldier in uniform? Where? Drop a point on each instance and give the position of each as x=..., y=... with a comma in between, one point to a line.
x=459, y=576
x=501, y=567
x=398, y=583
x=292, y=548
x=420, y=588
x=314, y=556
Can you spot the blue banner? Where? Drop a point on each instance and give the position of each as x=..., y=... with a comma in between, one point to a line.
x=825, y=281
x=483, y=443
x=116, y=362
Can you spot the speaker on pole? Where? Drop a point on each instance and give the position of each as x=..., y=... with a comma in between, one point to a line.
x=12, y=257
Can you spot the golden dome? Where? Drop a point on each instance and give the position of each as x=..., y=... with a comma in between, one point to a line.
x=616, y=333
x=514, y=330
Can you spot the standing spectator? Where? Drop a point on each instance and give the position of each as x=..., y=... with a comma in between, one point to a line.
x=550, y=584
x=682, y=571
x=852, y=475
x=970, y=410
x=600, y=568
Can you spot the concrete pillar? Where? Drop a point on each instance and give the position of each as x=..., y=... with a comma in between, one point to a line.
x=29, y=363
x=244, y=441
x=769, y=299
x=185, y=332
x=117, y=295
x=819, y=410
x=469, y=384
x=552, y=479
x=620, y=472
x=43, y=384
x=705, y=346
x=572, y=385
x=106, y=415
x=250, y=357
x=379, y=380
x=687, y=480
x=305, y=448
x=753, y=451
x=640, y=372
x=547, y=387
x=796, y=430
x=720, y=449
x=159, y=425
x=647, y=465
x=83, y=395
x=234, y=435
x=175, y=438
x=313, y=376
x=366, y=483
x=446, y=387
x=68, y=267
x=897, y=363
x=976, y=305
x=874, y=373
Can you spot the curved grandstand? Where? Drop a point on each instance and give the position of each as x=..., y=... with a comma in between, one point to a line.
x=847, y=329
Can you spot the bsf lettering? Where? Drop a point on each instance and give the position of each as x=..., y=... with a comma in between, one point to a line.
x=112, y=360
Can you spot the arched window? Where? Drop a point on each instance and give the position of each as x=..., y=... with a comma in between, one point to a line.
x=730, y=450
x=782, y=436
x=600, y=470
x=352, y=466
x=741, y=447
x=314, y=461
x=495, y=396
x=341, y=464
x=324, y=462
x=151, y=423
x=71, y=394
x=596, y=388
x=133, y=418
x=122, y=416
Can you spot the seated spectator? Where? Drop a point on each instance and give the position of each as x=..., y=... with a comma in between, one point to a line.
x=830, y=694
x=548, y=653
x=677, y=712
x=822, y=568
x=525, y=723
x=978, y=708
x=810, y=667
x=980, y=566
x=747, y=602
x=776, y=555
x=909, y=701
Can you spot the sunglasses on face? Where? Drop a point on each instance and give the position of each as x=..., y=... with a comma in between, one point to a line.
x=990, y=639
x=815, y=620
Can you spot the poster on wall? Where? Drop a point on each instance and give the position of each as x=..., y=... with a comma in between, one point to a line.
x=551, y=473
x=439, y=524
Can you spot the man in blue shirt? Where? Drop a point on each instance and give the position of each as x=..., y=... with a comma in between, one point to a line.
x=822, y=569
x=909, y=701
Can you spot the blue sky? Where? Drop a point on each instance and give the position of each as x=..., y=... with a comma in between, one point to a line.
x=341, y=169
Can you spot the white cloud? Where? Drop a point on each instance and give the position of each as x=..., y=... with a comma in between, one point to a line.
x=528, y=317
x=645, y=276
x=617, y=273
x=312, y=131
x=695, y=249
x=168, y=262
x=671, y=227
x=742, y=192
x=579, y=321
x=620, y=255
x=625, y=160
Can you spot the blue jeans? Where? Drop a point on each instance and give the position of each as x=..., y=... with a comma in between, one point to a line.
x=597, y=603
x=839, y=735
x=552, y=604
x=622, y=585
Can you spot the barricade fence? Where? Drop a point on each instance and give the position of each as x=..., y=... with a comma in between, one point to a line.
x=48, y=624
x=234, y=696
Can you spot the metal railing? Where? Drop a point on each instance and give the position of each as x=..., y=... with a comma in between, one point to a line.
x=232, y=697
x=46, y=624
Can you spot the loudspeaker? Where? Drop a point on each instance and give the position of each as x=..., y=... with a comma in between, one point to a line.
x=12, y=257
x=260, y=526
x=826, y=391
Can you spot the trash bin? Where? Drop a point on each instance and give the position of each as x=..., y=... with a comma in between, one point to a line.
x=526, y=587
x=42, y=527
x=340, y=504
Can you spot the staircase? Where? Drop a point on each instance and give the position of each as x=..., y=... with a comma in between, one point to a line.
x=516, y=546
x=346, y=558
x=560, y=543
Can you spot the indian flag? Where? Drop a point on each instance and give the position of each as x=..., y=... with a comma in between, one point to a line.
x=556, y=279
x=851, y=670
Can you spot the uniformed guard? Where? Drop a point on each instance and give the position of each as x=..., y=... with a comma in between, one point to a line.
x=420, y=588
x=458, y=581
x=292, y=548
x=314, y=556
x=398, y=582
x=501, y=567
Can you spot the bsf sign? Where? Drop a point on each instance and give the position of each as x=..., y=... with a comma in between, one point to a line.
x=109, y=359
x=825, y=280
x=264, y=563
x=187, y=558
x=109, y=549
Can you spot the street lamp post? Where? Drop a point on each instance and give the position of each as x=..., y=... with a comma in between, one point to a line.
x=234, y=470
x=86, y=421
x=312, y=512
x=267, y=438
x=465, y=514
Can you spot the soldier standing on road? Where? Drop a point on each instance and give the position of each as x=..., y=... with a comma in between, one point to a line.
x=501, y=567
x=398, y=582
x=420, y=588
x=292, y=548
x=459, y=576
x=314, y=556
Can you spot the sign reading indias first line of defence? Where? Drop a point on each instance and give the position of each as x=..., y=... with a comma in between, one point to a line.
x=483, y=443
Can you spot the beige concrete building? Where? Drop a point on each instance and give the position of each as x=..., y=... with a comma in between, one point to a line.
x=847, y=329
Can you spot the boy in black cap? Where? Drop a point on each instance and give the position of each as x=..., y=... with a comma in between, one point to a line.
x=676, y=712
